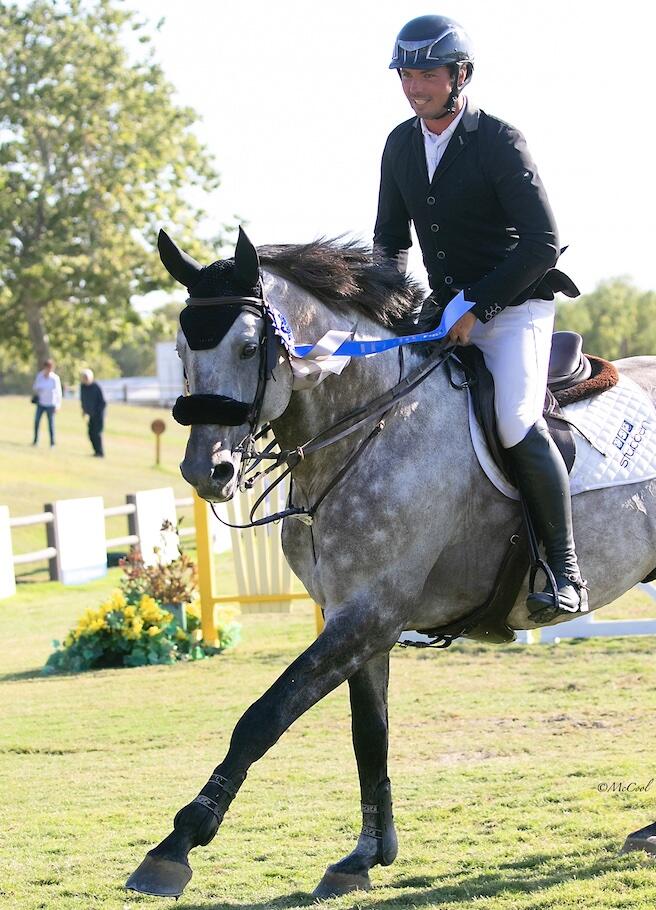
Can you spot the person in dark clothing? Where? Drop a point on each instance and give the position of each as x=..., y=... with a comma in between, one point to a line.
x=488, y=236
x=93, y=405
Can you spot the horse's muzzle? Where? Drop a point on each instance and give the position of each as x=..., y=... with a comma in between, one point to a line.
x=209, y=467
x=216, y=483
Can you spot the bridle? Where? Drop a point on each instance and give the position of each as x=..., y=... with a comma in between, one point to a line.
x=201, y=335
x=198, y=408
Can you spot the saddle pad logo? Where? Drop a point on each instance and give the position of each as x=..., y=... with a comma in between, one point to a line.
x=630, y=443
x=622, y=434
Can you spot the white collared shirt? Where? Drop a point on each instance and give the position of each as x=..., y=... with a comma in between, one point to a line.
x=435, y=145
x=49, y=389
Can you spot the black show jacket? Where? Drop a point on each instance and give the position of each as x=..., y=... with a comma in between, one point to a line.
x=484, y=222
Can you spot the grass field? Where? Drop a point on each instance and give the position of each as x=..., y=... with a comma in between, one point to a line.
x=497, y=755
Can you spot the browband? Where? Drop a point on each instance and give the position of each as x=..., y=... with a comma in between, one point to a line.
x=200, y=301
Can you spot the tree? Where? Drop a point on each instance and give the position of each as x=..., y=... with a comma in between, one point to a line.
x=135, y=356
x=95, y=157
x=616, y=319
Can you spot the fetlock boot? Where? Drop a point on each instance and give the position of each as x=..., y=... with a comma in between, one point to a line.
x=541, y=476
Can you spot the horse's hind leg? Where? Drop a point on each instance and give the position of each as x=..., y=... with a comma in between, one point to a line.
x=347, y=642
x=377, y=842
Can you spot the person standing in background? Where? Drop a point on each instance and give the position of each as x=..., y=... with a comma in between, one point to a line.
x=93, y=405
x=47, y=398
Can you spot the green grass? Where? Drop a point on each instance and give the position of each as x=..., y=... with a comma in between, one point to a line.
x=496, y=755
x=31, y=477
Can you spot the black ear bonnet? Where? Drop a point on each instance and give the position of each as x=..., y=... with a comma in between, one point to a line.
x=206, y=326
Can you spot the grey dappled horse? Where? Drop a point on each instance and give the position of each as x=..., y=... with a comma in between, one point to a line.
x=410, y=536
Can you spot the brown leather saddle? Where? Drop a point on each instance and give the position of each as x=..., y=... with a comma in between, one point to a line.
x=573, y=376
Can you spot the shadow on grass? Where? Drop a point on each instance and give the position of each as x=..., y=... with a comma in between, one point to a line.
x=510, y=879
x=37, y=673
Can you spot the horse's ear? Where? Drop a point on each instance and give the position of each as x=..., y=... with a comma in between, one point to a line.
x=178, y=264
x=247, y=262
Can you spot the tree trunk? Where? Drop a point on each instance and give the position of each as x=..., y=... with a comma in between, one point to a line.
x=38, y=334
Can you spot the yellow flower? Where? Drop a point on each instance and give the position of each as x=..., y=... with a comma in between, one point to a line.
x=153, y=631
x=193, y=609
x=180, y=634
x=129, y=612
x=133, y=630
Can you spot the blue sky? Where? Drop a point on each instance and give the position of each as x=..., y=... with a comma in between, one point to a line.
x=296, y=101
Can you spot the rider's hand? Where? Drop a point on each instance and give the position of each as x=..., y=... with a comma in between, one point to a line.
x=462, y=329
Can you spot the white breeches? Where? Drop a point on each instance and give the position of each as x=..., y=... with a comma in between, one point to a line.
x=516, y=345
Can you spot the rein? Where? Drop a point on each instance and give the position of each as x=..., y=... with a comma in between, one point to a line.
x=203, y=408
x=379, y=408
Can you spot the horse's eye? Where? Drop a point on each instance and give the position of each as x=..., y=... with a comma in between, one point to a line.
x=249, y=350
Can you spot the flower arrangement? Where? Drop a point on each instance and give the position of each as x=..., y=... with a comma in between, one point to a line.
x=153, y=618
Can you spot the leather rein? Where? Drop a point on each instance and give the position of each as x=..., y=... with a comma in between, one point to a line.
x=375, y=410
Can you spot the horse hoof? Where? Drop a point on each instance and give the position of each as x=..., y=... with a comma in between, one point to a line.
x=643, y=839
x=333, y=884
x=159, y=876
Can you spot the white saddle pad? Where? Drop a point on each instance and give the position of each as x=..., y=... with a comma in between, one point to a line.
x=621, y=423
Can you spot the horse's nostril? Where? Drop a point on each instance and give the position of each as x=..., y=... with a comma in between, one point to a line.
x=223, y=472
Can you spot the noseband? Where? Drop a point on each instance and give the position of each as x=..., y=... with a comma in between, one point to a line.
x=205, y=321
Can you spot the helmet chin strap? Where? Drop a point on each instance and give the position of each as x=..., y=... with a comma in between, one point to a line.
x=451, y=105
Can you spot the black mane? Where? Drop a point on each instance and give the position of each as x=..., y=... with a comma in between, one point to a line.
x=342, y=273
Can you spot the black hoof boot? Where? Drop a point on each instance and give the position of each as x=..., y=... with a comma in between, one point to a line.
x=165, y=872
x=377, y=845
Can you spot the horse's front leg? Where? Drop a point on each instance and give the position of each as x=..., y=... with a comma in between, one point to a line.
x=377, y=842
x=347, y=642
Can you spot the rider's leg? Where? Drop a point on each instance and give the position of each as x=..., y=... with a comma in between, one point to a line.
x=542, y=478
x=516, y=346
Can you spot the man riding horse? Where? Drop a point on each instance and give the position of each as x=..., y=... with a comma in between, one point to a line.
x=467, y=182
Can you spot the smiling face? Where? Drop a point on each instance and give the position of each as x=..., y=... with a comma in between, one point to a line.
x=428, y=90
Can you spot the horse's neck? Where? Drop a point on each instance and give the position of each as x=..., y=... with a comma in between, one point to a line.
x=364, y=378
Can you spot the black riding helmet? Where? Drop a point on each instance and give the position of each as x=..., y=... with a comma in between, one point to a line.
x=431, y=41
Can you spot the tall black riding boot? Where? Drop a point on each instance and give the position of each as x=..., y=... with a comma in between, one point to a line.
x=542, y=479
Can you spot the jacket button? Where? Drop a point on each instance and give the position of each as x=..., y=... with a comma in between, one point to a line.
x=431, y=200
x=435, y=228
x=441, y=254
x=448, y=280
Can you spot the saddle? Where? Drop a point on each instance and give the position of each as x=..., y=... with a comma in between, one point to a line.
x=573, y=376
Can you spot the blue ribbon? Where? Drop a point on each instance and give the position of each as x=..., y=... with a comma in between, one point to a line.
x=452, y=313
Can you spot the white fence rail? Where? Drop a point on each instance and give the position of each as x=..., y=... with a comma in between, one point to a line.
x=75, y=533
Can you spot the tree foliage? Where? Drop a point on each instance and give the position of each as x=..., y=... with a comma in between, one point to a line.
x=616, y=319
x=95, y=156
x=135, y=355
